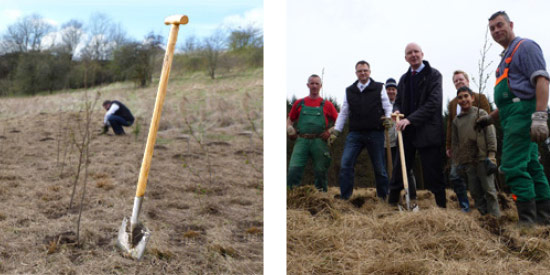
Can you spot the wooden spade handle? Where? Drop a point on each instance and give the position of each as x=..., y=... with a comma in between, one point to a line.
x=402, y=153
x=175, y=21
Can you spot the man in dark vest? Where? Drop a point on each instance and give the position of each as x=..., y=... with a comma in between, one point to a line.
x=365, y=102
x=117, y=115
x=419, y=98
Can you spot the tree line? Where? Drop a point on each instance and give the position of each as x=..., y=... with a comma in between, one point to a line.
x=36, y=56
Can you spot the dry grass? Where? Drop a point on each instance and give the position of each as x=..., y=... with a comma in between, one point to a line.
x=192, y=232
x=367, y=236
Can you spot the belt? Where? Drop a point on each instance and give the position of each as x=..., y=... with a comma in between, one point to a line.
x=309, y=136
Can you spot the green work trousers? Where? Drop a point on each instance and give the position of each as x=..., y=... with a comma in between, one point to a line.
x=317, y=149
x=520, y=156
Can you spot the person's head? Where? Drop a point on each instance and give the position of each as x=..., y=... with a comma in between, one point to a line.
x=414, y=55
x=314, y=84
x=107, y=104
x=391, y=89
x=460, y=78
x=465, y=97
x=502, y=29
x=362, y=70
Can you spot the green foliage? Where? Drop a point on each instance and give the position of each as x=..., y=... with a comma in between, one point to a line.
x=134, y=62
x=27, y=67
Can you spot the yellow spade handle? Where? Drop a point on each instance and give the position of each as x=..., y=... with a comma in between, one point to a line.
x=161, y=94
x=402, y=153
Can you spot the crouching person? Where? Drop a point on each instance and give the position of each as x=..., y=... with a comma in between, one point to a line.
x=308, y=121
x=475, y=153
x=117, y=115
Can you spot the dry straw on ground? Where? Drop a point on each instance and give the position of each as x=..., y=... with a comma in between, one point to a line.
x=198, y=226
x=367, y=236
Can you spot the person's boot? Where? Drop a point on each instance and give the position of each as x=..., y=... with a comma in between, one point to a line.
x=294, y=176
x=441, y=199
x=527, y=212
x=543, y=212
x=463, y=202
x=393, y=197
x=321, y=181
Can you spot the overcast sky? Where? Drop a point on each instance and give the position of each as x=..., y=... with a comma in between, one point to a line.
x=334, y=35
x=303, y=37
x=139, y=17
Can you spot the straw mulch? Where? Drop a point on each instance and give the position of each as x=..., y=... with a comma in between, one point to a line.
x=367, y=236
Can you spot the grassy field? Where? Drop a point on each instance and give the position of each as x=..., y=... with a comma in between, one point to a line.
x=203, y=202
x=367, y=236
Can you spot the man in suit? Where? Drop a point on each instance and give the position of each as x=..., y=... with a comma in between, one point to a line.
x=419, y=98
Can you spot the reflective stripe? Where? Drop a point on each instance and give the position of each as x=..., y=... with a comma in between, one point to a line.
x=507, y=61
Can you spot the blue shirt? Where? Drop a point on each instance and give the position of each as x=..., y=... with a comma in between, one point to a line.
x=527, y=64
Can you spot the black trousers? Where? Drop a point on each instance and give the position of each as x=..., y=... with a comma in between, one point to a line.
x=432, y=170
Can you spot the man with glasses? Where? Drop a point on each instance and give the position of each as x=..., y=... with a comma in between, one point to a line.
x=521, y=96
x=365, y=102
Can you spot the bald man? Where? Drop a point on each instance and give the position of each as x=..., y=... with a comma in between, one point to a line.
x=419, y=98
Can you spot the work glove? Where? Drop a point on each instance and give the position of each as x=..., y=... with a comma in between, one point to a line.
x=333, y=136
x=483, y=122
x=291, y=132
x=387, y=122
x=104, y=130
x=539, y=127
x=491, y=163
x=325, y=135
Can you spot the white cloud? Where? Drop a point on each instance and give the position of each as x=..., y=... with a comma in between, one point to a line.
x=11, y=14
x=254, y=17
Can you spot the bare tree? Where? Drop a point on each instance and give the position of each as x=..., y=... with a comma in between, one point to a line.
x=211, y=50
x=245, y=38
x=26, y=34
x=71, y=34
x=117, y=36
x=483, y=65
x=97, y=47
x=191, y=44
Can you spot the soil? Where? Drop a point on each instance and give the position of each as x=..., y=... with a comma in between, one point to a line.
x=203, y=203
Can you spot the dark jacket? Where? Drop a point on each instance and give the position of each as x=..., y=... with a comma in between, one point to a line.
x=123, y=111
x=426, y=128
x=365, y=108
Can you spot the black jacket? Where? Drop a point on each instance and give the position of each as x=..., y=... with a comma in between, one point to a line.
x=426, y=117
x=123, y=112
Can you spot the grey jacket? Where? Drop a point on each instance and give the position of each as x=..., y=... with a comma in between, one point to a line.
x=467, y=143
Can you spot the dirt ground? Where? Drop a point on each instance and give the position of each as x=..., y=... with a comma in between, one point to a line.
x=366, y=236
x=203, y=202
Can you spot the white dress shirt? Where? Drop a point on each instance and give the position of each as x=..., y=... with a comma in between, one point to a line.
x=114, y=107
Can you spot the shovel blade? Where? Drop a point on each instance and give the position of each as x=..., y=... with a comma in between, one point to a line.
x=133, y=242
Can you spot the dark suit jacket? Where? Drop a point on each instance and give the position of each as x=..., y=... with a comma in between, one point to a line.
x=426, y=120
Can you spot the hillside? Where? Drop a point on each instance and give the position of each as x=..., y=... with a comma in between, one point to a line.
x=367, y=236
x=203, y=202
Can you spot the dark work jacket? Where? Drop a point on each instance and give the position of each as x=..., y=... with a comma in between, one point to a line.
x=123, y=111
x=426, y=128
x=365, y=108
